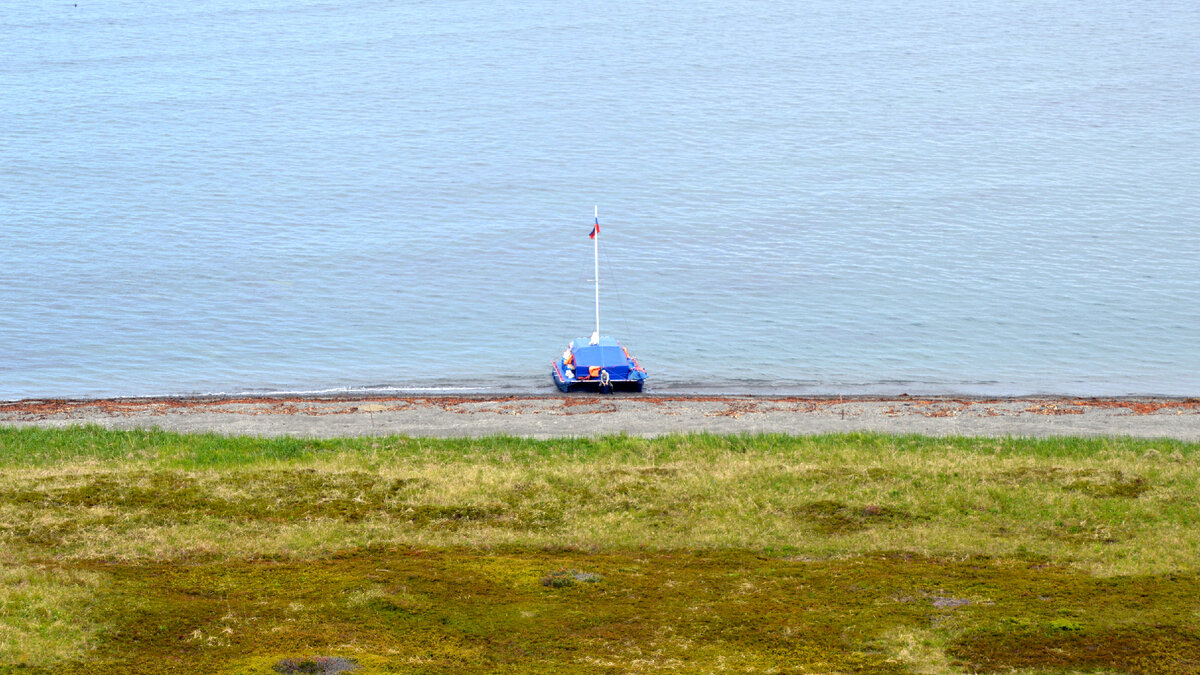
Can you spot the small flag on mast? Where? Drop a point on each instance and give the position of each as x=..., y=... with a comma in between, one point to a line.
x=595, y=229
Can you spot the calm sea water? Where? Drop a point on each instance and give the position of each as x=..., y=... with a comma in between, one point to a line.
x=993, y=197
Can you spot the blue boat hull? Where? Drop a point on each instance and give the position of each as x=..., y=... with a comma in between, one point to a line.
x=604, y=367
x=594, y=385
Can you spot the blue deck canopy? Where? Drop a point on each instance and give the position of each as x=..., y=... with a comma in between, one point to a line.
x=608, y=354
x=604, y=365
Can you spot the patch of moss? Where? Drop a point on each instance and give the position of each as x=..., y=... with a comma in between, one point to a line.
x=833, y=517
x=454, y=610
x=1116, y=484
x=564, y=578
x=317, y=665
x=266, y=495
x=440, y=516
x=1165, y=649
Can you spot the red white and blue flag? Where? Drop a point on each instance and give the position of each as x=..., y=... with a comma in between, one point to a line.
x=595, y=229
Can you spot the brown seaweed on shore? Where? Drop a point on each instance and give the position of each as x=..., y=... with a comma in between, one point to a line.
x=733, y=406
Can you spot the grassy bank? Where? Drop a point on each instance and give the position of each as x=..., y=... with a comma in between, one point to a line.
x=156, y=552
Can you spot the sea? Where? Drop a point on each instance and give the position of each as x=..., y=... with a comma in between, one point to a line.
x=989, y=198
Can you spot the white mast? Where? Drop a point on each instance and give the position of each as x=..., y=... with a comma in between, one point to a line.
x=596, y=258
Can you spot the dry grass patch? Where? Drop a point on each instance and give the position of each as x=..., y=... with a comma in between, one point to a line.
x=1104, y=505
x=44, y=614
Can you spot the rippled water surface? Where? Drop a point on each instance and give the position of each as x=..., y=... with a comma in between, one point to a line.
x=992, y=197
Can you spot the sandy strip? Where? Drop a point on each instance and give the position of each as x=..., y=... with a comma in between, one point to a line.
x=589, y=415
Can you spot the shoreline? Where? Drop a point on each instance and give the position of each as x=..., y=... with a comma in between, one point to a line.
x=556, y=415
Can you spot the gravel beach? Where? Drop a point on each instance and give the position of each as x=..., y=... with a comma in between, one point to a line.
x=644, y=415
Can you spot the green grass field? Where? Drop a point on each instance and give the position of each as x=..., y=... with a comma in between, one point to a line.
x=164, y=553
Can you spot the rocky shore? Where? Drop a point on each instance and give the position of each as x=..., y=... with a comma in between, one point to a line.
x=644, y=415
